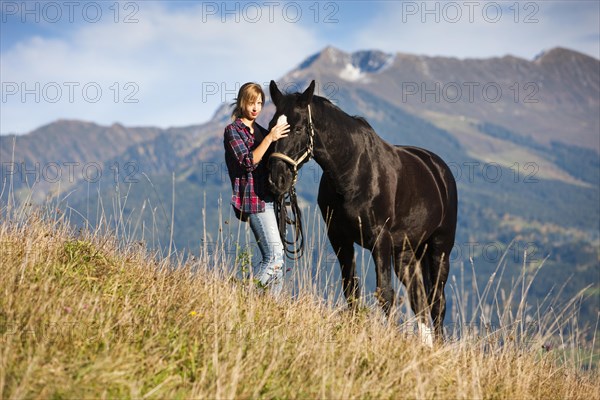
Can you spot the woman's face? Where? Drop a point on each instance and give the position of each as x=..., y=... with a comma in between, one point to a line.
x=253, y=108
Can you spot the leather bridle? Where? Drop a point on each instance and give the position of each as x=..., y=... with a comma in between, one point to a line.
x=305, y=156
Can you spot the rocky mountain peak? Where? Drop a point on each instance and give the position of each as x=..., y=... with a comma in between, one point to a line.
x=351, y=66
x=326, y=57
x=562, y=55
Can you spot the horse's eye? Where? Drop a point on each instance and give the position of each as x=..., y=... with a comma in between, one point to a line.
x=298, y=129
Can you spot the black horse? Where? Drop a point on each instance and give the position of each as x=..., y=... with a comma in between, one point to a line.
x=399, y=202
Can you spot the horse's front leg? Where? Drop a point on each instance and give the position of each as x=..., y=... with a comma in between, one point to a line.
x=382, y=255
x=349, y=279
x=344, y=250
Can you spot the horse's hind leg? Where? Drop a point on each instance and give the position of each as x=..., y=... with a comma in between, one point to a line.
x=410, y=267
x=382, y=255
x=439, y=266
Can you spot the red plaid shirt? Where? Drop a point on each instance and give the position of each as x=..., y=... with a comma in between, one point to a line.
x=248, y=180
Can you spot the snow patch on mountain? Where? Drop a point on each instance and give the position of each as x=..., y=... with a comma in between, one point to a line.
x=362, y=63
x=351, y=73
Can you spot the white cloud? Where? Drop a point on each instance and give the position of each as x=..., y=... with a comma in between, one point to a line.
x=164, y=61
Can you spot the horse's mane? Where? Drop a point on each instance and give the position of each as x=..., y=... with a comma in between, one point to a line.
x=327, y=103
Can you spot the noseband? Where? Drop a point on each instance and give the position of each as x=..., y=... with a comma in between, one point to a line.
x=308, y=153
x=293, y=250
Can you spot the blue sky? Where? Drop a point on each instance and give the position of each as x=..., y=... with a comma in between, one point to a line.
x=173, y=63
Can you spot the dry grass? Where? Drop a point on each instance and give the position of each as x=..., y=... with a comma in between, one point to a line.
x=83, y=315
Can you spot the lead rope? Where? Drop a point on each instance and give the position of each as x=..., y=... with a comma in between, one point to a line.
x=294, y=249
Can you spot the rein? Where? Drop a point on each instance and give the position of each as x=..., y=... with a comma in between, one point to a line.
x=293, y=250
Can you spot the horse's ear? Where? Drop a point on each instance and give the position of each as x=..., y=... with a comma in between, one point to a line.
x=306, y=97
x=275, y=93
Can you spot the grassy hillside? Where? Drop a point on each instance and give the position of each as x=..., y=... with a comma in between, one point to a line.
x=83, y=314
x=160, y=198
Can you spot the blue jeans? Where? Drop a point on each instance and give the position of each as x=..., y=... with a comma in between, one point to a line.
x=270, y=270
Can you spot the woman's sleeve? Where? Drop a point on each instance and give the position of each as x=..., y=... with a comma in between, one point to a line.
x=236, y=146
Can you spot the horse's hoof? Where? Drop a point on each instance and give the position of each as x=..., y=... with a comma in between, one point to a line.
x=425, y=334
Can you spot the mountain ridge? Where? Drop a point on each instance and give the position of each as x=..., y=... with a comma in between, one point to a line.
x=529, y=89
x=386, y=76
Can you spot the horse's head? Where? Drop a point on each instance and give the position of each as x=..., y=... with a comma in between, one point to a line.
x=291, y=152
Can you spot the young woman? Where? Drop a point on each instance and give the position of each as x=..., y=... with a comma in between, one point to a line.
x=246, y=155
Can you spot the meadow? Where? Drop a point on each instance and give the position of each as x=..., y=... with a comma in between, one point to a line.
x=89, y=313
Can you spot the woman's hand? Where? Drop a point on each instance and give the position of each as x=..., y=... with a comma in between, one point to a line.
x=278, y=132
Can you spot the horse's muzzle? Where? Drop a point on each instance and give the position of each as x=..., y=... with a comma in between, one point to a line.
x=280, y=179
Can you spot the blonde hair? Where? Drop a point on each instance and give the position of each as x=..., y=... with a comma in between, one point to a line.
x=247, y=94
